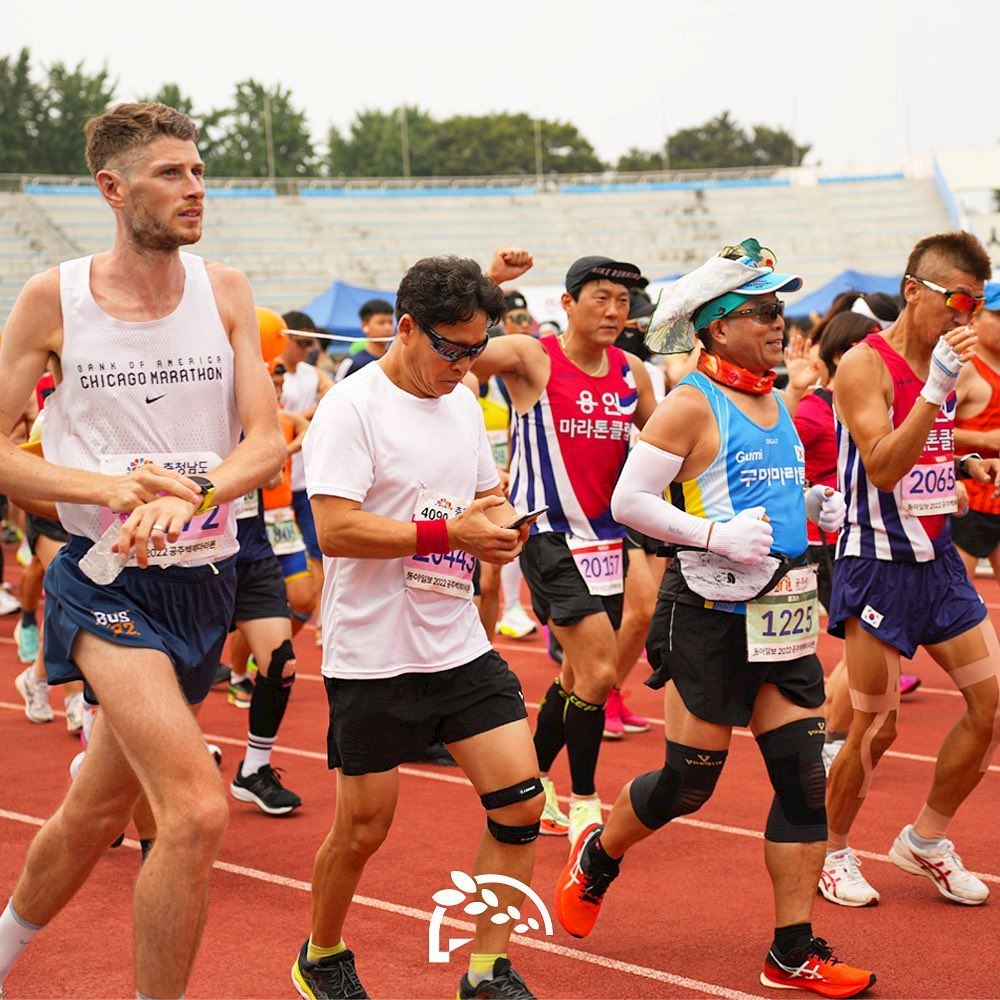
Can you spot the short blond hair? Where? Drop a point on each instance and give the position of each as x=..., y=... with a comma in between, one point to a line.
x=126, y=128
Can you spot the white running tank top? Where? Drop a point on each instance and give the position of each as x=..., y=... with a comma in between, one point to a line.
x=161, y=386
x=300, y=392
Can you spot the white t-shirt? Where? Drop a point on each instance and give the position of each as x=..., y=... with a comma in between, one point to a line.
x=372, y=442
x=299, y=393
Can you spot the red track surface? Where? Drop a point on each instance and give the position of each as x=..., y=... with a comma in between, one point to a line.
x=690, y=915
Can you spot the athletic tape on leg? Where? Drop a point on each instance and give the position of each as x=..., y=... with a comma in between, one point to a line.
x=881, y=706
x=981, y=670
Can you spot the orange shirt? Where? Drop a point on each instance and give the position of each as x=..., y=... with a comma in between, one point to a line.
x=281, y=495
x=987, y=419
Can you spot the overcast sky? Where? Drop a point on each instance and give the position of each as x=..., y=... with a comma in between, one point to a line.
x=861, y=80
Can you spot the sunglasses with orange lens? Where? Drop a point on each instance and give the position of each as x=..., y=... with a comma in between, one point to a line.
x=960, y=302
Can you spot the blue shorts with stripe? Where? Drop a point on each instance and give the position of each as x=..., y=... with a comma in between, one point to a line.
x=304, y=519
x=184, y=612
x=905, y=604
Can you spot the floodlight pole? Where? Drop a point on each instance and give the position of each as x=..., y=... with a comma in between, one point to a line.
x=268, y=137
x=405, y=137
x=539, y=166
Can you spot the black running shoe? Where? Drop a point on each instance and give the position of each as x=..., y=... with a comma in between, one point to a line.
x=506, y=984
x=333, y=978
x=264, y=789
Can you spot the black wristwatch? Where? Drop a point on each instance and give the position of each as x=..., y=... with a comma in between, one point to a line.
x=960, y=472
x=207, y=489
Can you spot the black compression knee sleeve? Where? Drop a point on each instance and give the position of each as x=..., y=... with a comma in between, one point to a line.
x=550, y=734
x=683, y=785
x=584, y=723
x=270, y=694
x=794, y=758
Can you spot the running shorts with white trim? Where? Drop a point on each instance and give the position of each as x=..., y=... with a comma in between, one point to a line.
x=182, y=611
x=260, y=591
x=637, y=540
x=304, y=519
x=976, y=533
x=905, y=604
x=36, y=526
x=377, y=725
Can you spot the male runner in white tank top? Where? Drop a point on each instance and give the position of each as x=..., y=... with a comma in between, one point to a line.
x=159, y=355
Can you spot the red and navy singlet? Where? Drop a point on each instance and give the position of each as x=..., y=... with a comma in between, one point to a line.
x=569, y=449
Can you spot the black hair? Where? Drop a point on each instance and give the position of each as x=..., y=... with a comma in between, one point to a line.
x=842, y=332
x=374, y=307
x=885, y=306
x=960, y=250
x=443, y=291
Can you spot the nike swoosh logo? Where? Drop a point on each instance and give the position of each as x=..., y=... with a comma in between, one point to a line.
x=153, y=399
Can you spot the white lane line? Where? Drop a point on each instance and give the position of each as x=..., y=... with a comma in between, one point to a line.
x=656, y=975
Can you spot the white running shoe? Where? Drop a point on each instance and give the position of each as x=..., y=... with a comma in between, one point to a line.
x=583, y=814
x=516, y=623
x=74, y=713
x=841, y=880
x=75, y=764
x=942, y=866
x=8, y=602
x=23, y=555
x=830, y=751
x=319, y=634
x=554, y=822
x=36, y=696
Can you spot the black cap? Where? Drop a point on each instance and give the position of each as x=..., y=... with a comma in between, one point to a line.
x=639, y=303
x=514, y=300
x=598, y=268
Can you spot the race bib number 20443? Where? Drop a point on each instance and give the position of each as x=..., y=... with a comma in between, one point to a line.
x=447, y=573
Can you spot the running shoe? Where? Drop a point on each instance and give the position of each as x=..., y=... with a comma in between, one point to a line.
x=579, y=893
x=265, y=790
x=75, y=764
x=8, y=602
x=554, y=649
x=516, y=624
x=942, y=866
x=505, y=984
x=830, y=751
x=216, y=752
x=240, y=692
x=11, y=534
x=555, y=822
x=633, y=723
x=252, y=667
x=26, y=637
x=329, y=978
x=222, y=675
x=36, y=696
x=815, y=968
x=841, y=880
x=908, y=683
x=74, y=713
x=23, y=554
x=319, y=634
x=614, y=726
x=583, y=814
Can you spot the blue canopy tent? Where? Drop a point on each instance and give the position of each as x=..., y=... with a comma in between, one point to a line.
x=336, y=309
x=847, y=281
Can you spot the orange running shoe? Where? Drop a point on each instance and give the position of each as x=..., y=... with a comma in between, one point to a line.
x=814, y=968
x=579, y=893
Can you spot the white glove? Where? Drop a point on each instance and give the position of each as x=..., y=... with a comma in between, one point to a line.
x=746, y=538
x=943, y=376
x=826, y=508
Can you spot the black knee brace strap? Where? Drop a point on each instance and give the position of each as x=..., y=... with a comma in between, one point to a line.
x=682, y=786
x=512, y=834
x=279, y=657
x=523, y=790
x=794, y=758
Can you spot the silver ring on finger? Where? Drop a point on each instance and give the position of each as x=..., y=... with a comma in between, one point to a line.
x=159, y=527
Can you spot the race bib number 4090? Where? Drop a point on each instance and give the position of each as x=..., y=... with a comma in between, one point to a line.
x=448, y=573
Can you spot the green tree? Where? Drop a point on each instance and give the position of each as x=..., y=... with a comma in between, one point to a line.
x=71, y=97
x=373, y=146
x=636, y=160
x=172, y=95
x=234, y=142
x=722, y=142
x=22, y=114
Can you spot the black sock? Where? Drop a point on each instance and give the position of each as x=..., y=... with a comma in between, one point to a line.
x=550, y=734
x=596, y=858
x=28, y=619
x=267, y=705
x=792, y=938
x=584, y=724
x=145, y=845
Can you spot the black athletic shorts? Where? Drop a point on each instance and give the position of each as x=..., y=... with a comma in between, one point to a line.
x=379, y=724
x=260, y=591
x=637, y=540
x=976, y=533
x=822, y=556
x=558, y=591
x=34, y=526
x=704, y=652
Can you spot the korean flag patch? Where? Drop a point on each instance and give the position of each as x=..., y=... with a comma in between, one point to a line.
x=871, y=617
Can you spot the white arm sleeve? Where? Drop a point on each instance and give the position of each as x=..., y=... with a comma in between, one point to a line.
x=637, y=501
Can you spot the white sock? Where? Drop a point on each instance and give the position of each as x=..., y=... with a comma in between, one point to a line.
x=924, y=843
x=235, y=678
x=15, y=935
x=511, y=579
x=258, y=753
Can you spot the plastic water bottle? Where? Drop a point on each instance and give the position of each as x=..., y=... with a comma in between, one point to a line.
x=100, y=563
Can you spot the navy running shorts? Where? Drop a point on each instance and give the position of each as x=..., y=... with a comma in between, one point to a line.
x=294, y=564
x=304, y=519
x=905, y=604
x=260, y=591
x=182, y=611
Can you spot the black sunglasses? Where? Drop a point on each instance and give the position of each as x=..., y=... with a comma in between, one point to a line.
x=766, y=312
x=451, y=351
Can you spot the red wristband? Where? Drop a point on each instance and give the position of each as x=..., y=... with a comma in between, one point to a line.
x=432, y=536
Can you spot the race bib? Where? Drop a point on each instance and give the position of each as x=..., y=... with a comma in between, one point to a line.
x=783, y=624
x=202, y=535
x=448, y=573
x=283, y=531
x=600, y=564
x=248, y=505
x=499, y=447
x=929, y=487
